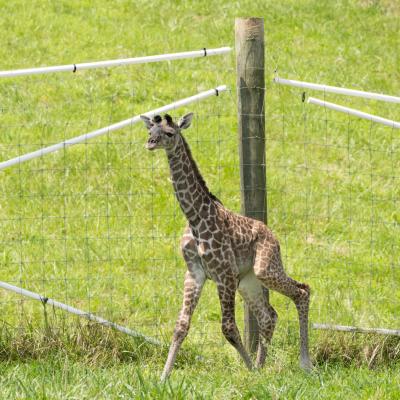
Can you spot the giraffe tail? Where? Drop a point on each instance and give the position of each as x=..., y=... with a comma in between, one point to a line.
x=304, y=286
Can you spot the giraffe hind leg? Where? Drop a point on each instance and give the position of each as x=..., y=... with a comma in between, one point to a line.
x=255, y=296
x=269, y=270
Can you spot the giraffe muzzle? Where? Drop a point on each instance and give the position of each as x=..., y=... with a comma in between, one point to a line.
x=151, y=145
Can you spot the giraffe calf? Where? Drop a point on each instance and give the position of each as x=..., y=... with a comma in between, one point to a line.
x=236, y=252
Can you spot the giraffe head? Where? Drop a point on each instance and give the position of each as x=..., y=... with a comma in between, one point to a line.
x=163, y=131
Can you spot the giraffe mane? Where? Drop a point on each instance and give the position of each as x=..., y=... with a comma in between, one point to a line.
x=197, y=171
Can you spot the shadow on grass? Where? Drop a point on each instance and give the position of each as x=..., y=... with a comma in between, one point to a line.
x=355, y=349
x=86, y=342
x=96, y=345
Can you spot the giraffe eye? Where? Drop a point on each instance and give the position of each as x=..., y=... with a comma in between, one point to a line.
x=169, y=134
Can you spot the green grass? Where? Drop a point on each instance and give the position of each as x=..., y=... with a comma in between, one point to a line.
x=64, y=366
x=97, y=225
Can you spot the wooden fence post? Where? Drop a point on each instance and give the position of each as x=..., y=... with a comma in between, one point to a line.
x=250, y=81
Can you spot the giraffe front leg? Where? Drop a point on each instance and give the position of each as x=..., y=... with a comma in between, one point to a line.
x=226, y=293
x=194, y=282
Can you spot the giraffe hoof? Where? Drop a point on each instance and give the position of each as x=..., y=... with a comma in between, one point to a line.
x=259, y=365
x=250, y=366
x=164, y=376
x=306, y=365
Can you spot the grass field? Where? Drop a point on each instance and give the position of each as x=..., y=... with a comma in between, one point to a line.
x=97, y=225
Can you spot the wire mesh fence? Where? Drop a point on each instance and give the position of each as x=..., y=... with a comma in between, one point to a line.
x=333, y=196
x=97, y=226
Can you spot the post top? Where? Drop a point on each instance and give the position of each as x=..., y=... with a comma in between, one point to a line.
x=251, y=28
x=258, y=19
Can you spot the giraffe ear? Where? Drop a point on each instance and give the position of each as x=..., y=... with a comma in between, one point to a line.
x=147, y=121
x=185, y=121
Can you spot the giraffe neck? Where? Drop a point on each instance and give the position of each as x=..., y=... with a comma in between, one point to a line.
x=190, y=189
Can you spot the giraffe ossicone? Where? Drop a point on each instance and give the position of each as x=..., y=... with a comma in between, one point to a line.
x=234, y=251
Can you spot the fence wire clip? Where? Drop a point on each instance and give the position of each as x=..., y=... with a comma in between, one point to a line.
x=303, y=97
x=74, y=70
x=44, y=300
x=205, y=52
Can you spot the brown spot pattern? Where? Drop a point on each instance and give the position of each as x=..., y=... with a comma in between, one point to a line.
x=236, y=252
